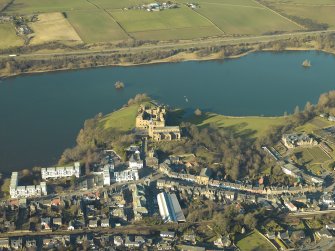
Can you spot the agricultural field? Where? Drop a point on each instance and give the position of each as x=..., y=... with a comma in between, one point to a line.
x=304, y=2
x=319, y=14
x=3, y=4
x=254, y=241
x=115, y=4
x=99, y=21
x=171, y=24
x=243, y=3
x=53, y=27
x=8, y=36
x=243, y=126
x=38, y=6
x=96, y=26
x=245, y=20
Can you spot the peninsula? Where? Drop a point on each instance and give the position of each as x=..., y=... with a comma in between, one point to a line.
x=149, y=175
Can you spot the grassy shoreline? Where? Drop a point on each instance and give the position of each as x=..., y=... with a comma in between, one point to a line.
x=180, y=57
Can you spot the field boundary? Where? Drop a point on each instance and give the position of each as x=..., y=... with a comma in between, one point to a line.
x=237, y=5
x=214, y=24
x=109, y=14
x=277, y=13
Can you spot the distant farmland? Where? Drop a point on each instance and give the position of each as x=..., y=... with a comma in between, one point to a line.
x=99, y=21
x=8, y=36
x=95, y=26
x=171, y=24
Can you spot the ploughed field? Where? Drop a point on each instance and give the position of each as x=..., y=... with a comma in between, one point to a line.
x=95, y=21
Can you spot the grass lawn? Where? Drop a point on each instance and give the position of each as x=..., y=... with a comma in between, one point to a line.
x=123, y=119
x=8, y=36
x=243, y=126
x=245, y=20
x=53, y=27
x=96, y=26
x=319, y=14
x=36, y=6
x=171, y=24
x=254, y=242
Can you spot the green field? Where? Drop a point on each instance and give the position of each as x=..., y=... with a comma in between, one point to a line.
x=123, y=119
x=254, y=242
x=96, y=26
x=8, y=36
x=3, y=3
x=116, y=4
x=99, y=21
x=36, y=6
x=305, y=2
x=171, y=24
x=245, y=20
x=245, y=3
x=318, y=14
x=251, y=126
x=314, y=124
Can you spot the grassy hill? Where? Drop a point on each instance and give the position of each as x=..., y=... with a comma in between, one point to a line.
x=250, y=126
x=122, y=120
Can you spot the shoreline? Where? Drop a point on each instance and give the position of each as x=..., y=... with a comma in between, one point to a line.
x=178, y=58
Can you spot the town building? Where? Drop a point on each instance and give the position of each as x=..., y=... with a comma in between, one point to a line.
x=126, y=175
x=16, y=244
x=106, y=175
x=4, y=243
x=152, y=119
x=203, y=178
x=291, y=170
x=324, y=233
x=61, y=172
x=139, y=201
x=135, y=161
x=105, y=223
x=290, y=206
x=298, y=139
x=167, y=234
x=169, y=208
x=17, y=191
x=118, y=241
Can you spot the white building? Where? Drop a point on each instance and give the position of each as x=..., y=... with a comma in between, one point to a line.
x=126, y=175
x=290, y=206
x=16, y=191
x=291, y=170
x=169, y=208
x=106, y=175
x=135, y=161
x=61, y=172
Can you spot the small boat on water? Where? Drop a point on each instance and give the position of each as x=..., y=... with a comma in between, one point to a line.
x=306, y=63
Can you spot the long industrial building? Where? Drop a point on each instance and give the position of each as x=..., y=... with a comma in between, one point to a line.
x=169, y=208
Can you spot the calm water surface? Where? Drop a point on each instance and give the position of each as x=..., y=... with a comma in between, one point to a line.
x=40, y=115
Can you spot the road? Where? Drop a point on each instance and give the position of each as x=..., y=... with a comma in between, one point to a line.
x=312, y=213
x=181, y=44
